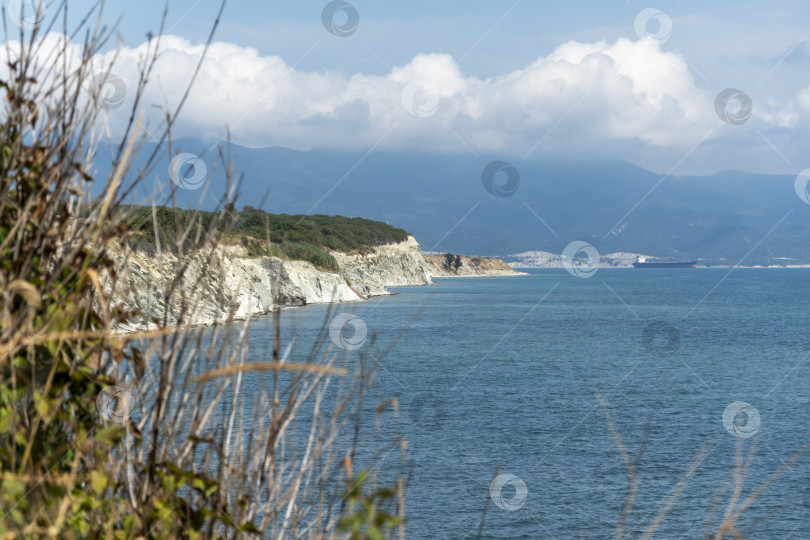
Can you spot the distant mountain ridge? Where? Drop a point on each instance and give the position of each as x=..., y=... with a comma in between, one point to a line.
x=724, y=218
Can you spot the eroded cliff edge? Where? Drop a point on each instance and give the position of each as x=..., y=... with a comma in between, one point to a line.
x=449, y=265
x=223, y=280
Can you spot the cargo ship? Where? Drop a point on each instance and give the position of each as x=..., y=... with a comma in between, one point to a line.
x=641, y=262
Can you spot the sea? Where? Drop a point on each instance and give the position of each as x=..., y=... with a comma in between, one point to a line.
x=553, y=406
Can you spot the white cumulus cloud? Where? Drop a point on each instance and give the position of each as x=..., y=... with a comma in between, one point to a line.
x=581, y=94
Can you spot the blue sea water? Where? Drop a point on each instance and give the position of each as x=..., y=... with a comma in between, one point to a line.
x=502, y=377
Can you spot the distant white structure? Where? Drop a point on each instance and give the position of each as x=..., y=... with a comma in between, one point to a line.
x=544, y=259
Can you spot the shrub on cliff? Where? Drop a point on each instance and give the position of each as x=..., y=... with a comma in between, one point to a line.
x=309, y=252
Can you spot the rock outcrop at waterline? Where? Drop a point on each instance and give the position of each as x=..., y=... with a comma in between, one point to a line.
x=223, y=280
x=462, y=266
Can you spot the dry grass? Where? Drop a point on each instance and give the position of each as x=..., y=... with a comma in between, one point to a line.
x=200, y=456
x=728, y=525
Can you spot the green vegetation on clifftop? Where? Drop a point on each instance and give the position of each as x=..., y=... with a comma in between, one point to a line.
x=293, y=237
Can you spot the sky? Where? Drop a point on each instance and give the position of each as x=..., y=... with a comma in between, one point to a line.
x=645, y=82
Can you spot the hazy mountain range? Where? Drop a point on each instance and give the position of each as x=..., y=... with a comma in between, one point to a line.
x=441, y=199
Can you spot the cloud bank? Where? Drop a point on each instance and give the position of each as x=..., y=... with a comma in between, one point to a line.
x=582, y=95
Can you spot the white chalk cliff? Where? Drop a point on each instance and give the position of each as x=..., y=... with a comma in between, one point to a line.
x=390, y=265
x=221, y=281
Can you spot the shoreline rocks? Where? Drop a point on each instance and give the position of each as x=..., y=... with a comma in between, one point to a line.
x=457, y=266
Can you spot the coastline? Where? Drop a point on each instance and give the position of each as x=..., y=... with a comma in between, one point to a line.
x=511, y=274
x=714, y=266
x=450, y=265
x=224, y=283
x=624, y=260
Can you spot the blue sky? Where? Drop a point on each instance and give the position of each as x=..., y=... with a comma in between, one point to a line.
x=516, y=77
x=753, y=32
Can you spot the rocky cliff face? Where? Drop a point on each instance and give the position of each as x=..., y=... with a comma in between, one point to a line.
x=223, y=280
x=390, y=265
x=469, y=267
